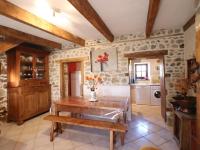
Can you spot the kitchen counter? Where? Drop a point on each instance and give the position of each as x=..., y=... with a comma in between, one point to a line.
x=144, y=93
x=149, y=84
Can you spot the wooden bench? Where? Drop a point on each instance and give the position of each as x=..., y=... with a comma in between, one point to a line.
x=112, y=127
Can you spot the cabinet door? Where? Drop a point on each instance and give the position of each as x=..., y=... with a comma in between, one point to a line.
x=142, y=94
x=26, y=66
x=43, y=100
x=29, y=105
x=40, y=67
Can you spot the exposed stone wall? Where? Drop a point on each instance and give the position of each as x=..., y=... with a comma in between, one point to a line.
x=3, y=80
x=171, y=40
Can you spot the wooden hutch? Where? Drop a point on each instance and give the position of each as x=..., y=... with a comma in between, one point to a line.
x=28, y=82
x=196, y=135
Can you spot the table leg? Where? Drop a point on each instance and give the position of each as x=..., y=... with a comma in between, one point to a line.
x=122, y=136
x=111, y=140
x=58, y=125
x=52, y=132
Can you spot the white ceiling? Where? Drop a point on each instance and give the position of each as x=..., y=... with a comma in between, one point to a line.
x=121, y=16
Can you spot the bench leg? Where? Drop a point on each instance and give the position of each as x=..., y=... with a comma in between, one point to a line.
x=114, y=137
x=60, y=128
x=122, y=136
x=52, y=132
x=124, y=117
x=111, y=140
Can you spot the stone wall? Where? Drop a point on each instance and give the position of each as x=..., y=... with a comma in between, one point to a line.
x=171, y=40
x=3, y=80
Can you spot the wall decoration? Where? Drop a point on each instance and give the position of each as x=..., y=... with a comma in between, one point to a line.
x=104, y=60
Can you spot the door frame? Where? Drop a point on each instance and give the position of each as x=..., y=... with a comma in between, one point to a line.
x=69, y=60
x=159, y=54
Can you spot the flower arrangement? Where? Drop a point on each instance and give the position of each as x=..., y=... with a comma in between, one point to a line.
x=182, y=86
x=102, y=59
x=93, y=81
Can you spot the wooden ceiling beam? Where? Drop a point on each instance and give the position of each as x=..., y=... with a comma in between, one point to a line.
x=9, y=43
x=14, y=12
x=5, y=31
x=189, y=23
x=151, y=17
x=85, y=8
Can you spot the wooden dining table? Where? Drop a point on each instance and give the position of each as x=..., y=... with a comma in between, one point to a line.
x=103, y=107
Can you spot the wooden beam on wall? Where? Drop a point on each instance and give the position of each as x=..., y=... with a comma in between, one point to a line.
x=189, y=23
x=5, y=31
x=147, y=54
x=14, y=12
x=151, y=17
x=85, y=8
x=9, y=43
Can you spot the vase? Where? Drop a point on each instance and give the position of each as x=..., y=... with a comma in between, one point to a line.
x=93, y=96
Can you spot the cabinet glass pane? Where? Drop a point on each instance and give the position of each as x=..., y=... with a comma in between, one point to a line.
x=26, y=66
x=40, y=68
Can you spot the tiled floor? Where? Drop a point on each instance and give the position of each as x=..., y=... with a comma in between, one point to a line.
x=146, y=128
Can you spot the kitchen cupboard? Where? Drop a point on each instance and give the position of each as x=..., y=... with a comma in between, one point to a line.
x=28, y=83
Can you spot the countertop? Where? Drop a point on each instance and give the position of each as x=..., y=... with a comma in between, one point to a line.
x=145, y=84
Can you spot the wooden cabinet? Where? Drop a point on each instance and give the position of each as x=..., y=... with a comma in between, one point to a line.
x=28, y=83
x=183, y=128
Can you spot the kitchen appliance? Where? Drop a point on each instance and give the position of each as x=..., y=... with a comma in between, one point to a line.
x=155, y=95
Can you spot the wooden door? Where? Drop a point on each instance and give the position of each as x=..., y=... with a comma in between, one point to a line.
x=162, y=88
x=43, y=99
x=30, y=105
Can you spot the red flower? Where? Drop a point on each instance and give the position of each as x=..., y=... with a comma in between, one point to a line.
x=102, y=58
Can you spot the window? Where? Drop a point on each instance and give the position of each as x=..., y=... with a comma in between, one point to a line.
x=141, y=71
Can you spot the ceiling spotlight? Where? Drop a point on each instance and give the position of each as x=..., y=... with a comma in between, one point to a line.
x=56, y=11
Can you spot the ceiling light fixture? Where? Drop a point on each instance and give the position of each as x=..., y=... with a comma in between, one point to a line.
x=56, y=11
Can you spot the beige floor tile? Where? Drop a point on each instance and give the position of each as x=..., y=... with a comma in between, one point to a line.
x=85, y=147
x=24, y=145
x=79, y=139
x=142, y=142
x=7, y=140
x=49, y=146
x=166, y=134
x=101, y=143
x=63, y=144
x=136, y=133
x=41, y=140
x=128, y=146
x=155, y=139
x=170, y=145
x=153, y=127
x=9, y=146
x=25, y=137
x=144, y=129
x=13, y=131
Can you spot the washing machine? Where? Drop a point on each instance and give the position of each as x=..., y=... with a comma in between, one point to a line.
x=155, y=95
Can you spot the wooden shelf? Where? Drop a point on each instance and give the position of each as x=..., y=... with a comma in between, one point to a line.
x=184, y=115
x=26, y=63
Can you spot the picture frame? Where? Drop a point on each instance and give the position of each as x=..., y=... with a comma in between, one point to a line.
x=106, y=65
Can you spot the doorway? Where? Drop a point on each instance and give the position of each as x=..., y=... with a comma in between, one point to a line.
x=72, y=77
x=152, y=91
